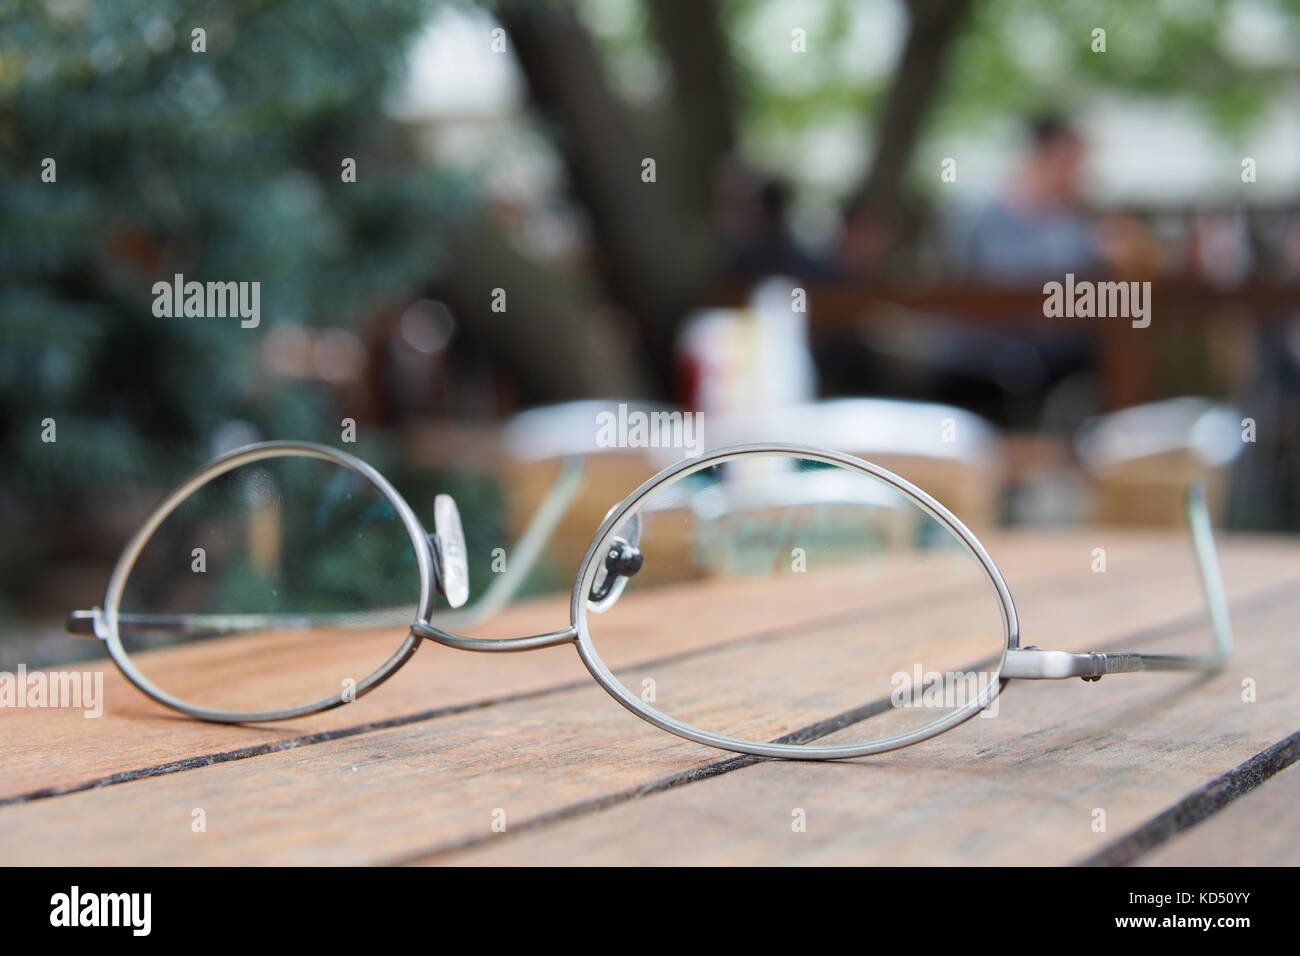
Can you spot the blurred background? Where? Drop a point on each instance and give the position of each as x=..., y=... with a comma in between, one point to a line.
x=912, y=172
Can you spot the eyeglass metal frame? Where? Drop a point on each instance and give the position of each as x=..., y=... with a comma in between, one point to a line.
x=1016, y=663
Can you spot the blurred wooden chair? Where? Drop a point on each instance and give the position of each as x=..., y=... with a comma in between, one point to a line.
x=537, y=442
x=952, y=454
x=1141, y=459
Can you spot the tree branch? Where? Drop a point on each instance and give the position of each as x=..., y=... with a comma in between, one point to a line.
x=935, y=25
x=554, y=334
x=692, y=39
x=654, y=260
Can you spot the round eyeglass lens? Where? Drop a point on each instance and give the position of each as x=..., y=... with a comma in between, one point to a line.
x=780, y=598
x=283, y=583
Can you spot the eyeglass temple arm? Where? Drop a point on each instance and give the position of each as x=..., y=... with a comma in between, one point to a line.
x=523, y=557
x=1036, y=664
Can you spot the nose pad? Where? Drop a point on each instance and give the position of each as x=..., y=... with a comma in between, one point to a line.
x=623, y=558
x=450, y=563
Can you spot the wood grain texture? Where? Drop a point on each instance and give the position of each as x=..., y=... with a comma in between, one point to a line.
x=464, y=741
x=53, y=750
x=1261, y=828
x=1020, y=788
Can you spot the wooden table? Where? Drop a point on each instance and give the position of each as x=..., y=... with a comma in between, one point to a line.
x=1185, y=770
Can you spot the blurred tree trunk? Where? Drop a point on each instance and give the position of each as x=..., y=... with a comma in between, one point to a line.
x=654, y=243
x=704, y=105
x=918, y=80
x=653, y=250
x=555, y=335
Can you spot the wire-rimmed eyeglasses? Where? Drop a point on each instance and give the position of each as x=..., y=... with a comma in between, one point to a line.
x=768, y=599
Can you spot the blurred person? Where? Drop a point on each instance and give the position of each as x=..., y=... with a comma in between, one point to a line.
x=1035, y=228
x=753, y=216
x=719, y=352
x=1034, y=231
x=1266, y=483
x=846, y=360
x=865, y=240
x=1131, y=250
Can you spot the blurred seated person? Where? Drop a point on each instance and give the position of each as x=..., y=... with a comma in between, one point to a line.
x=847, y=363
x=753, y=214
x=1034, y=231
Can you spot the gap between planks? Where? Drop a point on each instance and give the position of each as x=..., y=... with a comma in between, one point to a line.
x=1050, y=579
x=707, y=771
x=1190, y=810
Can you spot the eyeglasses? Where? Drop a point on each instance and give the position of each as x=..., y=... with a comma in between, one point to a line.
x=777, y=600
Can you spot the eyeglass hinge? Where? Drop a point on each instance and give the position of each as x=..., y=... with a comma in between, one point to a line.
x=1034, y=663
x=86, y=623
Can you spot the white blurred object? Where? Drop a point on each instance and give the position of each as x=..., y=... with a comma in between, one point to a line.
x=1223, y=251
x=1142, y=459
x=747, y=362
x=1208, y=431
x=870, y=426
x=568, y=428
x=537, y=441
x=785, y=369
x=831, y=486
x=707, y=353
x=951, y=453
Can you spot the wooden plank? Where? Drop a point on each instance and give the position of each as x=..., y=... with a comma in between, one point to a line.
x=1021, y=788
x=1013, y=307
x=1261, y=828
x=424, y=787
x=53, y=750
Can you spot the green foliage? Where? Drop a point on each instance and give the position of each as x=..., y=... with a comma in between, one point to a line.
x=1022, y=56
x=223, y=165
x=1012, y=59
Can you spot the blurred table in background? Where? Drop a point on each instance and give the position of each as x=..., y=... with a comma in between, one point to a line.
x=1199, y=340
